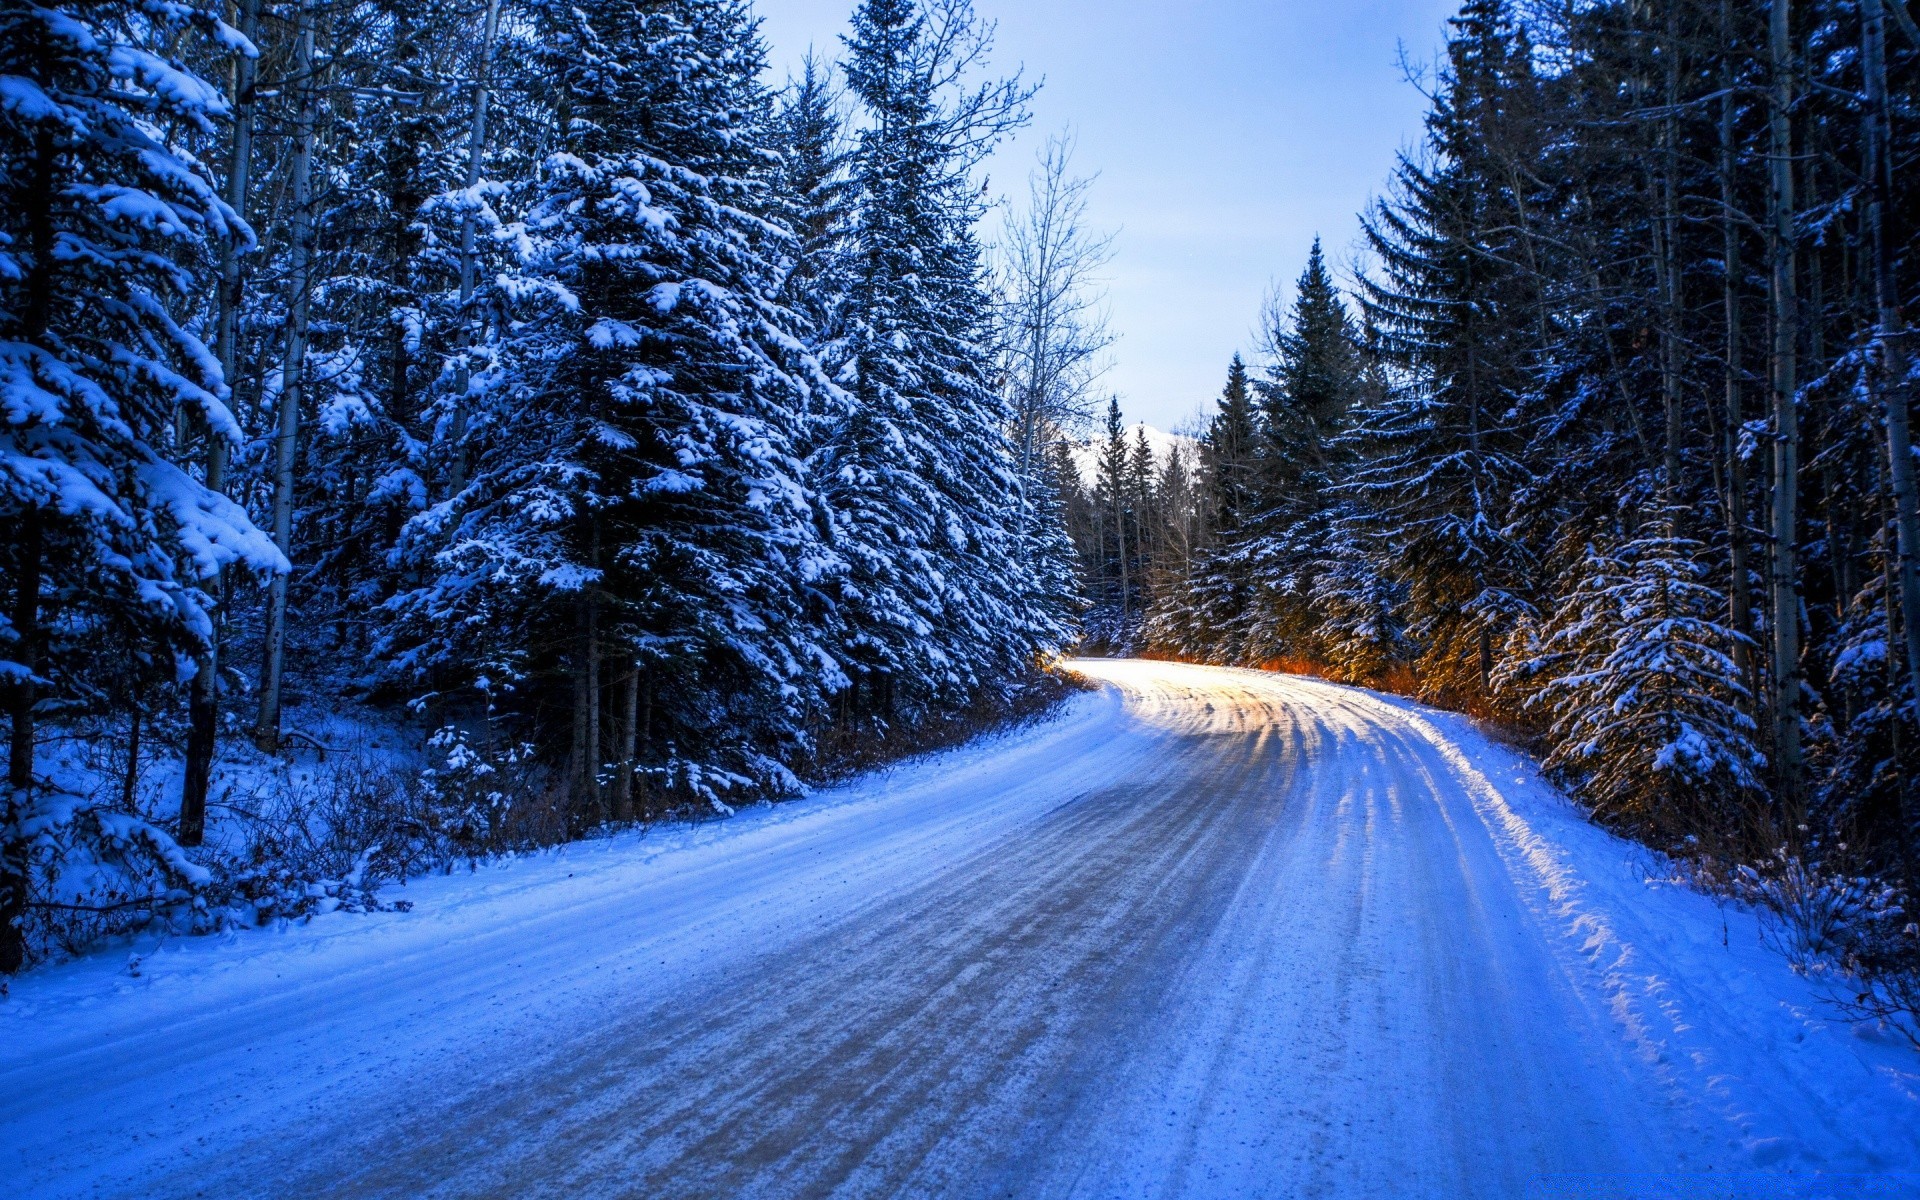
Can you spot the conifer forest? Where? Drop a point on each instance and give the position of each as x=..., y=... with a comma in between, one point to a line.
x=445, y=438
x=535, y=366
x=1607, y=441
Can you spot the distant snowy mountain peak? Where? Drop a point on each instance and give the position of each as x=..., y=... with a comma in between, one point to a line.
x=1086, y=454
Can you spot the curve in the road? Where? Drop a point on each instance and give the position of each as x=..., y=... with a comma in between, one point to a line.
x=1215, y=933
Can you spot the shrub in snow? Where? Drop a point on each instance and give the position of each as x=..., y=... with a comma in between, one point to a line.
x=471, y=792
x=1853, y=932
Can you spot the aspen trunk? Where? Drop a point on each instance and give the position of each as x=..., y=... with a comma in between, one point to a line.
x=130, y=782
x=32, y=533
x=23, y=696
x=1889, y=373
x=596, y=756
x=266, y=733
x=1099, y=565
x=1668, y=264
x=20, y=748
x=1783, y=299
x=26, y=629
x=203, y=698
x=1739, y=589
x=577, y=769
x=629, y=743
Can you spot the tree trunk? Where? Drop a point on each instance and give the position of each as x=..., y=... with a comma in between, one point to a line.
x=203, y=698
x=1783, y=590
x=629, y=744
x=1889, y=591
x=26, y=629
x=1740, y=573
x=1141, y=564
x=596, y=755
x=130, y=782
x=266, y=733
x=20, y=748
x=1099, y=564
x=469, y=257
x=577, y=769
x=1889, y=372
x=1667, y=264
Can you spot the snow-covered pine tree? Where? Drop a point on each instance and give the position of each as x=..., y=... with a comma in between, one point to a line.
x=1361, y=629
x=1301, y=458
x=1055, y=578
x=1230, y=452
x=1359, y=608
x=814, y=196
x=387, y=225
x=109, y=224
x=1448, y=308
x=1206, y=620
x=1314, y=381
x=937, y=606
x=1177, y=494
x=1648, y=705
x=637, y=520
x=1113, y=491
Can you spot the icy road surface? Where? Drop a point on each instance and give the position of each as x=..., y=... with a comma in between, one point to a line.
x=1209, y=933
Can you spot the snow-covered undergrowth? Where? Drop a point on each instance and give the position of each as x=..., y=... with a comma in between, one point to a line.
x=358, y=799
x=287, y=836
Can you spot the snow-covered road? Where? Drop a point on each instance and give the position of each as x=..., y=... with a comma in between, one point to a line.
x=1209, y=933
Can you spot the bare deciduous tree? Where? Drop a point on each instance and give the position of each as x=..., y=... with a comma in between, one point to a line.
x=1054, y=333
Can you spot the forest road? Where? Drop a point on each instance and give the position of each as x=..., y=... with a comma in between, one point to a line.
x=1209, y=933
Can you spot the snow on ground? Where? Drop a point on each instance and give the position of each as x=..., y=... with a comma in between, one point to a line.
x=1207, y=933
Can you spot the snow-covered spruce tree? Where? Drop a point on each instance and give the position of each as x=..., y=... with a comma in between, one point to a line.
x=1206, y=620
x=1450, y=311
x=1113, y=493
x=1172, y=542
x=108, y=225
x=1360, y=609
x=636, y=522
x=937, y=606
x=1304, y=404
x=1054, y=574
x=1230, y=452
x=1635, y=665
x=814, y=197
x=388, y=231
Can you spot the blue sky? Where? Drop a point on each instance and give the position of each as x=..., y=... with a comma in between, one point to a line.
x=1226, y=134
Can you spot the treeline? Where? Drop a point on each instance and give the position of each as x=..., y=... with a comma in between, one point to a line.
x=1611, y=437
x=1132, y=505
x=531, y=363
